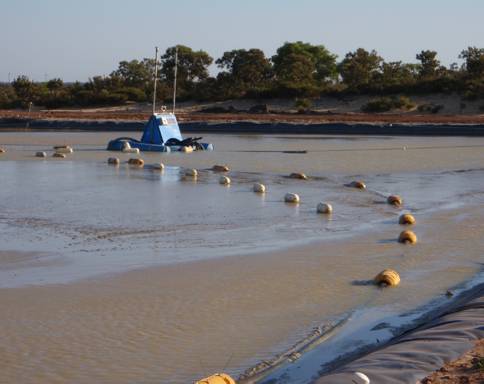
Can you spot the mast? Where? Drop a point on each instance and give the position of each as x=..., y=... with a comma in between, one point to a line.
x=155, y=80
x=174, y=79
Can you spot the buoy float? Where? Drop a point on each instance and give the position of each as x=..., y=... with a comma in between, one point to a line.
x=220, y=168
x=128, y=149
x=63, y=149
x=158, y=166
x=59, y=155
x=259, y=188
x=357, y=184
x=40, y=154
x=186, y=149
x=292, y=198
x=136, y=162
x=113, y=161
x=361, y=378
x=394, y=200
x=190, y=172
x=406, y=219
x=224, y=180
x=387, y=277
x=2, y=150
x=324, y=208
x=407, y=237
x=218, y=378
x=298, y=175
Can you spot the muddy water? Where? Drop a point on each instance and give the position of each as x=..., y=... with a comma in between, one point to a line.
x=121, y=275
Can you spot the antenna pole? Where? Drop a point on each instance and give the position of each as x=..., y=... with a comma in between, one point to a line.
x=174, y=79
x=155, y=80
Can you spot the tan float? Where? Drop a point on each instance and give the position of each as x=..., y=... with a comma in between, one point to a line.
x=220, y=168
x=387, y=277
x=406, y=219
x=357, y=184
x=292, y=198
x=298, y=175
x=59, y=155
x=40, y=154
x=187, y=149
x=128, y=149
x=158, y=166
x=135, y=162
x=324, y=208
x=224, y=180
x=259, y=188
x=113, y=161
x=407, y=237
x=190, y=173
x=63, y=149
x=395, y=200
x=218, y=378
x=2, y=150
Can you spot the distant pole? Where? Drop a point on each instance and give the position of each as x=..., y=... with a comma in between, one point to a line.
x=155, y=80
x=174, y=79
x=9, y=77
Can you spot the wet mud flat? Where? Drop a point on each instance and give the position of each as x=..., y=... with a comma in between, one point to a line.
x=121, y=274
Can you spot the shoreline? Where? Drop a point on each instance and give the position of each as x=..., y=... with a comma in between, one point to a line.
x=253, y=127
x=251, y=123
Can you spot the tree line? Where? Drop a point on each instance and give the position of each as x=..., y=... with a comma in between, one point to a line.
x=297, y=70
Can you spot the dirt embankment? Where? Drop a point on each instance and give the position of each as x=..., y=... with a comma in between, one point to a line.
x=309, y=118
x=469, y=369
x=451, y=110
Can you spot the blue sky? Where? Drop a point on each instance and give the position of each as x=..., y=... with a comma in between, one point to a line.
x=75, y=39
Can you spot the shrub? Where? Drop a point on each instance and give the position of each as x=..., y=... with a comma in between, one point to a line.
x=430, y=108
x=385, y=104
x=302, y=104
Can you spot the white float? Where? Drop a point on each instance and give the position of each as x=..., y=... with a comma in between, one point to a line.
x=224, y=180
x=324, y=208
x=360, y=378
x=186, y=149
x=63, y=149
x=158, y=166
x=292, y=198
x=40, y=154
x=128, y=149
x=259, y=188
x=190, y=172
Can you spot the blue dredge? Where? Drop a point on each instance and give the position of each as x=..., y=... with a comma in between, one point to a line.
x=161, y=133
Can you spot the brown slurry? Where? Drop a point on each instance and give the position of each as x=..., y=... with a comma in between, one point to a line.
x=269, y=117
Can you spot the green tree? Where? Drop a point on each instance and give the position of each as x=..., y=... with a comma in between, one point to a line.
x=244, y=70
x=26, y=90
x=135, y=73
x=359, y=69
x=474, y=61
x=192, y=68
x=55, y=85
x=429, y=65
x=296, y=56
x=396, y=76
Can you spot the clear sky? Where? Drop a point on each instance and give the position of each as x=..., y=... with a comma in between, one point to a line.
x=77, y=39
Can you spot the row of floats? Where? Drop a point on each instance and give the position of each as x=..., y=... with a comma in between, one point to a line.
x=387, y=277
